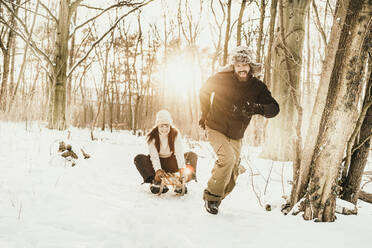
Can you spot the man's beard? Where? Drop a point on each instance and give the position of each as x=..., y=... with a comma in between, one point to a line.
x=242, y=75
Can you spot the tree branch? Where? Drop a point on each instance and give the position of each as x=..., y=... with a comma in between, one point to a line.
x=364, y=196
x=31, y=43
x=120, y=4
x=104, y=35
x=49, y=12
x=32, y=11
x=74, y=5
x=90, y=7
x=318, y=24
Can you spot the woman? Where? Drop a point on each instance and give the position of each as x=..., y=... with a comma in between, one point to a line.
x=166, y=153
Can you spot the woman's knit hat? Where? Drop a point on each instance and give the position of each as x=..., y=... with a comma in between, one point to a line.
x=163, y=117
x=243, y=55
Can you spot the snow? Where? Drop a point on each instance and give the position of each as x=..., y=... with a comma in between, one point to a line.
x=100, y=202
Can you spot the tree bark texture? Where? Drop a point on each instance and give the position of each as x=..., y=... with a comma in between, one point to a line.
x=353, y=180
x=57, y=104
x=364, y=196
x=302, y=175
x=287, y=61
x=340, y=115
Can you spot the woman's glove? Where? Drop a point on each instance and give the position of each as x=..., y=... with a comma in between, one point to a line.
x=158, y=175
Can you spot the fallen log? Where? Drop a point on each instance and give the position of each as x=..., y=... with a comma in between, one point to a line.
x=364, y=196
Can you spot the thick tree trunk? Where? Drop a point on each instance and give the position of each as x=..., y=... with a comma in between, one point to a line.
x=302, y=175
x=352, y=182
x=57, y=104
x=340, y=115
x=287, y=61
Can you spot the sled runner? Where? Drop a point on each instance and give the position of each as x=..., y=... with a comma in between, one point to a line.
x=174, y=180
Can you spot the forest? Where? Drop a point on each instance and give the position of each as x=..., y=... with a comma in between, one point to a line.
x=112, y=65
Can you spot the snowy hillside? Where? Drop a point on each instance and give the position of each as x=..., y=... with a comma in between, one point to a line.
x=100, y=202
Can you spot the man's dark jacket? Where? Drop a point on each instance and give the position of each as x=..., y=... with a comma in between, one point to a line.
x=223, y=98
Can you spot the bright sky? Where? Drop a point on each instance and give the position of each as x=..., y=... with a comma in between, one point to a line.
x=181, y=64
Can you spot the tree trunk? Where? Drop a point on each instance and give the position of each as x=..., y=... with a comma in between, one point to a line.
x=358, y=162
x=227, y=34
x=260, y=31
x=268, y=61
x=306, y=92
x=105, y=94
x=340, y=115
x=364, y=196
x=302, y=176
x=6, y=50
x=239, y=26
x=57, y=104
x=287, y=61
x=70, y=64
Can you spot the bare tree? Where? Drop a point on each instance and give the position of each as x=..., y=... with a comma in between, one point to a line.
x=7, y=42
x=268, y=61
x=339, y=114
x=356, y=159
x=284, y=131
x=57, y=66
x=260, y=31
x=216, y=31
x=302, y=175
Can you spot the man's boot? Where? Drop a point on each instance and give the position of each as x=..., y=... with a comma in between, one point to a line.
x=212, y=206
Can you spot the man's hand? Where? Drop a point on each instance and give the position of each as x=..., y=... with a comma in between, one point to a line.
x=202, y=122
x=250, y=109
x=187, y=173
x=158, y=175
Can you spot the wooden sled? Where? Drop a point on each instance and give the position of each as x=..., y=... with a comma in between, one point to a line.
x=174, y=180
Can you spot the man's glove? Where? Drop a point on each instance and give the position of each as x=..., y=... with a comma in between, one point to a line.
x=158, y=175
x=187, y=173
x=202, y=122
x=250, y=109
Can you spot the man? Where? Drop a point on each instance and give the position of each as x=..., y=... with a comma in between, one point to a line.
x=228, y=100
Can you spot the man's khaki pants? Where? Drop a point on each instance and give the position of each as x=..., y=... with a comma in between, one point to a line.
x=226, y=168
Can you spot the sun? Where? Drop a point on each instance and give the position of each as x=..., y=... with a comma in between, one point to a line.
x=181, y=76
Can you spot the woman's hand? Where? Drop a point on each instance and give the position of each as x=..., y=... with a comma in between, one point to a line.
x=158, y=175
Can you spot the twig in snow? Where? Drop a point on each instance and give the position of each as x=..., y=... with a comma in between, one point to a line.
x=20, y=211
x=268, y=177
x=86, y=155
x=254, y=190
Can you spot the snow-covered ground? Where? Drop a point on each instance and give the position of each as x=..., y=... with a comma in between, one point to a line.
x=100, y=202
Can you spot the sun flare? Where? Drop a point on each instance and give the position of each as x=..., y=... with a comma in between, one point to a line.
x=181, y=76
